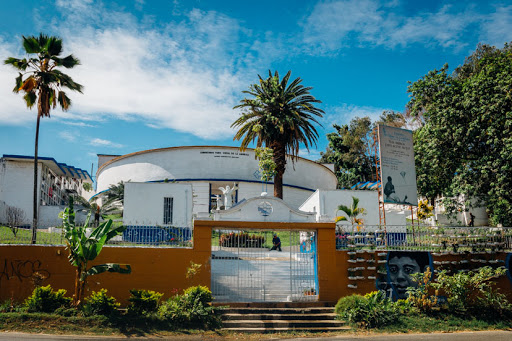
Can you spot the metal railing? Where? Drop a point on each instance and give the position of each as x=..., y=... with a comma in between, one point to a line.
x=425, y=238
x=133, y=235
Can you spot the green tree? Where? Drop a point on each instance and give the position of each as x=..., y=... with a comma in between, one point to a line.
x=84, y=249
x=108, y=206
x=42, y=82
x=465, y=144
x=266, y=164
x=281, y=116
x=351, y=148
x=116, y=192
x=351, y=213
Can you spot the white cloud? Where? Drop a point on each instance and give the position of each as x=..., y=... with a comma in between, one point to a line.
x=104, y=143
x=344, y=113
x=69, y=136
x=312, y=154
x=497, y=27
x=78, y=124
x=335, y=24
x=186, y=76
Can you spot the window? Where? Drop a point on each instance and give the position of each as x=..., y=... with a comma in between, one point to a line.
x=168, y=211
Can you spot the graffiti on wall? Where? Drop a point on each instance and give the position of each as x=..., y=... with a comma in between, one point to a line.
x=22, y=270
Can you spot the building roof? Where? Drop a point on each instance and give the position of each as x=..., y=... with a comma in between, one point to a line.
x=57, y=167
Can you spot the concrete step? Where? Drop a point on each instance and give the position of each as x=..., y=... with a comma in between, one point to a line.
x=279, y=330
x=282, y=323
x=303, y=304
x=302, y=311
x=269, y=318
x=235, y=317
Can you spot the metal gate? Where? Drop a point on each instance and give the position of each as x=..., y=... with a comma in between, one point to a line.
x=245, y=269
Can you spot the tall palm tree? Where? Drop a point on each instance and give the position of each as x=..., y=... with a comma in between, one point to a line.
x=281, y=116
x=351, y=213
x=42, y=82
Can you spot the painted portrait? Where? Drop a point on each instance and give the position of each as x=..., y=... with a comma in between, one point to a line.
x=400, y=265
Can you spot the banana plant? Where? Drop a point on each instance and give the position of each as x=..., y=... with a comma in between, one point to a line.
x=83, y=249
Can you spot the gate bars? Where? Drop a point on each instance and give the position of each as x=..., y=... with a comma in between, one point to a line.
x=244, y=269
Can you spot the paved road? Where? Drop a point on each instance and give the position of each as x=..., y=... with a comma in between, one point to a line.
x=462, y=336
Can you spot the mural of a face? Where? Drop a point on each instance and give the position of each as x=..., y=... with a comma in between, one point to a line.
x=401, y=265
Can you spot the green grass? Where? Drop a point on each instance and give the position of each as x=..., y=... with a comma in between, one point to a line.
x=287, y=238
x=124, y=325
x=419, y=323
x=24, y=236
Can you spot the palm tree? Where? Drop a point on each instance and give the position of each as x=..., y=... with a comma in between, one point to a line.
x=41, y=81
x=279, y=116
x=351, y=213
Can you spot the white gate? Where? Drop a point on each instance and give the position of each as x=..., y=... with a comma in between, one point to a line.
x=244, y=269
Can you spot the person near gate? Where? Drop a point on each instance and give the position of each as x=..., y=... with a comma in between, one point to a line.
x=276, y=243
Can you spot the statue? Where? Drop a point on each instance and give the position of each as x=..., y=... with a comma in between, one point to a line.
x=228, y=197
x=218, y=201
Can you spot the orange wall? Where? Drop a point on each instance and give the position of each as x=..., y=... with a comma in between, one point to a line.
x=159, y=269
x=164, y=269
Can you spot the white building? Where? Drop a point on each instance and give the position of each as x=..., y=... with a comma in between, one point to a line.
x=56, y=182
x=207, y=168
x=169, y=186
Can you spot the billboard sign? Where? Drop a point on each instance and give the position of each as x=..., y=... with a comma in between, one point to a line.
x=398, y=172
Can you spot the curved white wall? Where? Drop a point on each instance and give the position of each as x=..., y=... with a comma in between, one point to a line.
x=207, y=163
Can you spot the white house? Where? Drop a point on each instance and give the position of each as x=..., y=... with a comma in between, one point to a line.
x=56, y=182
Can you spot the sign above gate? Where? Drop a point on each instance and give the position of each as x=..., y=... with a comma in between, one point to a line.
x=265, y=209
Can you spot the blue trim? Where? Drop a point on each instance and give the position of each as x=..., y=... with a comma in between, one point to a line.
x=251, y=181
x=234, y=180
x=62, y=166
x=95, y=195
x=32, y=158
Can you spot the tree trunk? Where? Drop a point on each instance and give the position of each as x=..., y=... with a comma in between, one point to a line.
x=280, y=161
x=35, y=202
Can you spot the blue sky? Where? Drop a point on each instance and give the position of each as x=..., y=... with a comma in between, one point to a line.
x=168, y=73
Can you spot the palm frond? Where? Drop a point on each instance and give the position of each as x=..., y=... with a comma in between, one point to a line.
x=31, y=44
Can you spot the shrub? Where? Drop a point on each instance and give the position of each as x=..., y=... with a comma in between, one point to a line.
x=192, y=309
x=467, y=293
x=172, y=311
x=198, y=293
x=420, y=297
x=369, y=311
x=242, y=239
x=143, y=302
x=473, y=292
x=45, y=300
x=99, y=303
x=347, y=303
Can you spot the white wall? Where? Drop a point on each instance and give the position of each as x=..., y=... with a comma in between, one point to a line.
x=201, y=197
x=200, y=163
x=144, y=203
x=17, y=185
x=3, y=217
x=49, y=216
x=326, y=204
x=277, y=211
x=294, y=197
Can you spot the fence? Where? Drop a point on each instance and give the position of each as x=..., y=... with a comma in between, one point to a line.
x=150, y=236
x=426, y=238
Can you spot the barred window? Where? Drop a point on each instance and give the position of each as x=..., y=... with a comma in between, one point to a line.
x=168, y=206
